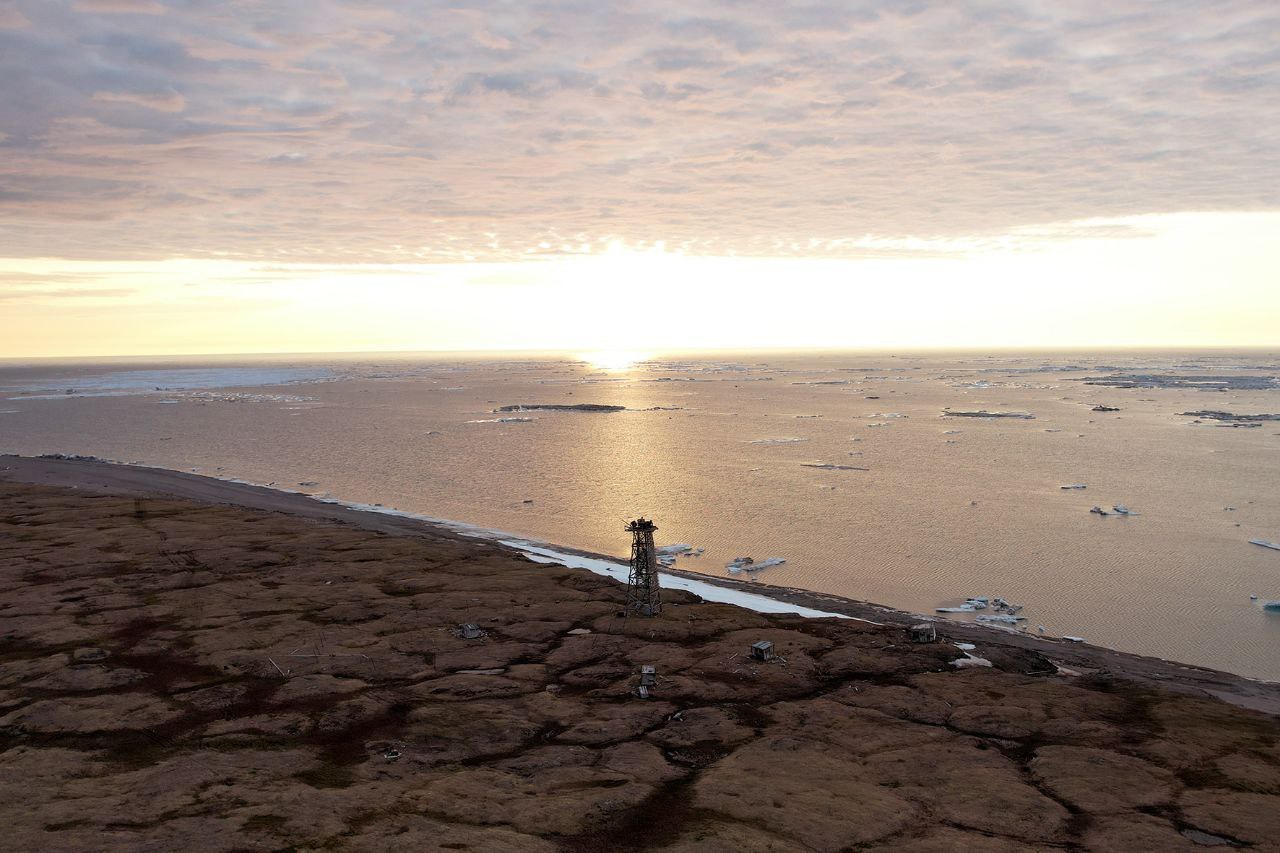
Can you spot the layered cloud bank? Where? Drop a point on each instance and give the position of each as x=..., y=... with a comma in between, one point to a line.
x=404, y=131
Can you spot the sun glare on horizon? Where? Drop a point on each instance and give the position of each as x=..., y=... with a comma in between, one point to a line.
x=615, y=359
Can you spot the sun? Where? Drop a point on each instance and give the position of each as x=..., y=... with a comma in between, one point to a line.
x=614, y=359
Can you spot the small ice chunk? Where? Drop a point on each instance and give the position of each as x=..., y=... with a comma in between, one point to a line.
x=679, y=549
x=969, y=659
x=749, y=564
x=970, y=605
x=999, y=619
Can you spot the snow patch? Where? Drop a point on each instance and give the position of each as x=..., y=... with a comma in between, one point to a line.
x=706, y=591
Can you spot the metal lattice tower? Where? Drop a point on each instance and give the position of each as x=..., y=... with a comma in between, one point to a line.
x=643, y=595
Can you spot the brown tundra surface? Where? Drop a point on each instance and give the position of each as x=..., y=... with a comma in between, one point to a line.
x=183, y=675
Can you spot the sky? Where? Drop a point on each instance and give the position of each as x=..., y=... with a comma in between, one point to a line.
x=183, y=176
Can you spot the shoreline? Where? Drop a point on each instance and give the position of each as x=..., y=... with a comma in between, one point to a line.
x=93, y=474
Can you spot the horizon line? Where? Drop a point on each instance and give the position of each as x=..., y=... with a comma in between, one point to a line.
x=667, y=352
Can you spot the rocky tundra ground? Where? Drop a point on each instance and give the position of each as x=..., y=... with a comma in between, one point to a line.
x=183, y=675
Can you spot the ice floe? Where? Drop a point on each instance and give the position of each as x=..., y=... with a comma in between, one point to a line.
x=971, y=605
x=1196, y=382
x=668, y=554
x=829, y=466
x=678, y=549
x=749, y=564
x=245, y=397
x=1116, y=509
x=999, y=619
x=560, y=407
x=1005, y=615
x=983, y=413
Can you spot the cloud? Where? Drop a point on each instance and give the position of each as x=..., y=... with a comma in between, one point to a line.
x=12, y=19
x=133, y=7
x=63, y=293
x=415, y=130
x=527, y=84
x=169, y=102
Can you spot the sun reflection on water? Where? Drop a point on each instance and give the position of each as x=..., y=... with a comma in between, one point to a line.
x=615, y=360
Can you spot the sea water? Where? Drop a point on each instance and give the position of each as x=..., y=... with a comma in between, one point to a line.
x=847, y=465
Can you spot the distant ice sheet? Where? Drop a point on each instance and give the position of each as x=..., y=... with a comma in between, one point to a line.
x=129, y=382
